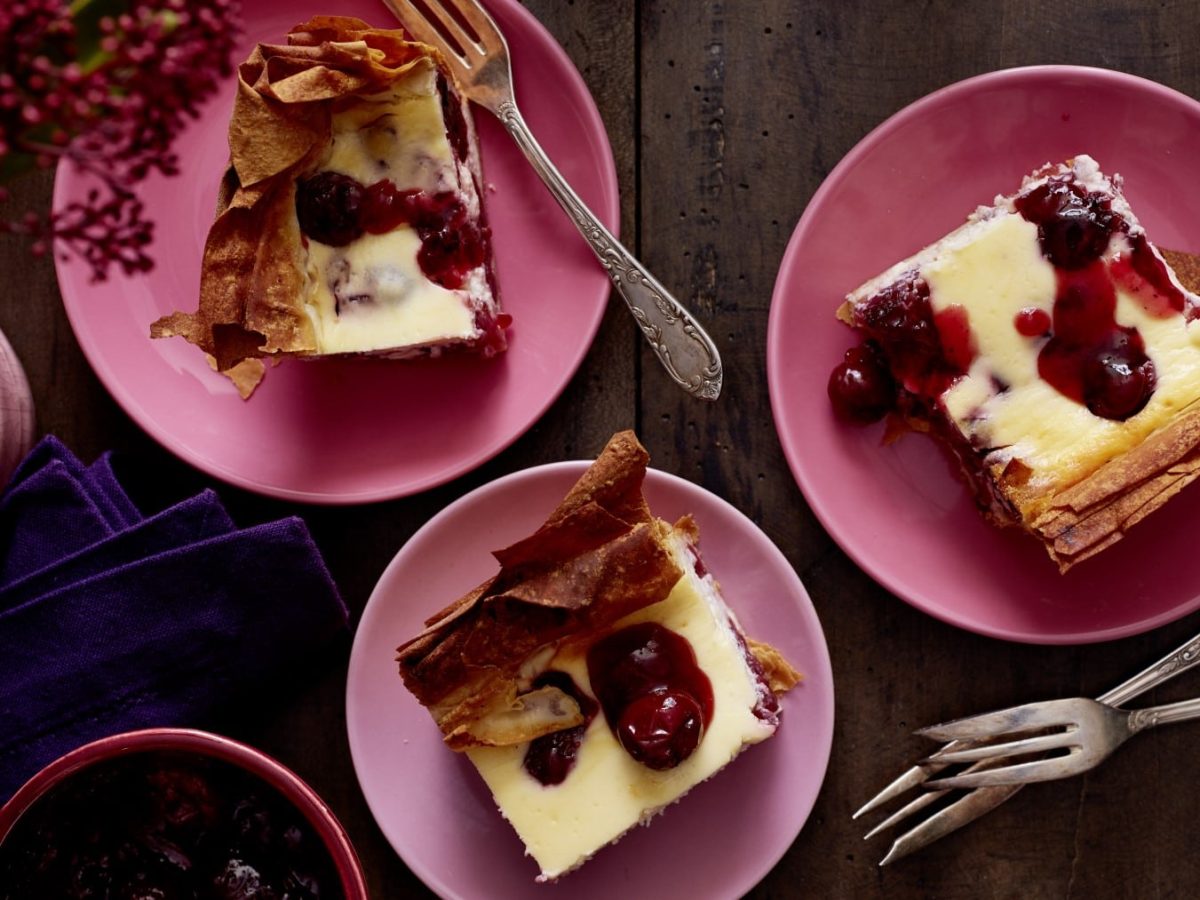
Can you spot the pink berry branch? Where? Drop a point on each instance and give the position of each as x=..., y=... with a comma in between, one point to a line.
x=107, y=84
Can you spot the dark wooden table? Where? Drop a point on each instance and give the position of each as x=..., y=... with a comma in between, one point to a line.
x=724, y=118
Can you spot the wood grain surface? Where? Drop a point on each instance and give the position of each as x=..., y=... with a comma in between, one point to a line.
x=725, y=116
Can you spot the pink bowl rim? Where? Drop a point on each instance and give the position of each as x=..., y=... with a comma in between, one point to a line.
x=245, y=757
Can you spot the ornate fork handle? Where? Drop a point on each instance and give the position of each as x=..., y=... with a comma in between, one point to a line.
x=1183, y=711
x=1178, y=660
x=681, y=344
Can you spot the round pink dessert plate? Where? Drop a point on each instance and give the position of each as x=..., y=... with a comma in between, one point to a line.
x=900, y=510
x=356, y=430
x=718, y=841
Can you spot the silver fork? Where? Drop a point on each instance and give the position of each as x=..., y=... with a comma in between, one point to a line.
x=1088, y=730
x=983, y=800
x=477, y=54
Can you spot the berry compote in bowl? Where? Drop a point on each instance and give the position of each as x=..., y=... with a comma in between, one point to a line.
x=172, y=812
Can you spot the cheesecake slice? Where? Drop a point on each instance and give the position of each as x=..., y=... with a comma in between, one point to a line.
x=1049, y=344
x=351, y=220
x=600, y=675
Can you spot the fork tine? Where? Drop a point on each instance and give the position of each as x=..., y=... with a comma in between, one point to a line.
x=453, y=24
x=909, y=779
x=1009, y=748
x=1024, y=773
x=949, y=819
x=1027, y=717
x=431, y=23
x=920, y=802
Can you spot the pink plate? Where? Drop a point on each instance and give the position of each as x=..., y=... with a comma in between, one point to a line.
x=349, y=431
x=436, y=811
x=900, y=511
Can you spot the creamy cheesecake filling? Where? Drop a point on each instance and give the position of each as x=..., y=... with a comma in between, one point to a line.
x=371, y=294
x=607, y=791
x=995, y=271
x=991, y=383
x=399, y=134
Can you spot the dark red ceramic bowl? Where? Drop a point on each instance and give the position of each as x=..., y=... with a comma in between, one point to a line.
x=188, y=741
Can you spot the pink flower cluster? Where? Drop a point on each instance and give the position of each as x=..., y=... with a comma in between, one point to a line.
x=107, y=84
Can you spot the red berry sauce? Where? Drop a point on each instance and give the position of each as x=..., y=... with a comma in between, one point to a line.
x=1144, y=275
x=655, y=697
x=1086, y=356
x=335, y=209
x=551, y=757
x=1089, y=357
x=1074, y=226
x=1032, y=322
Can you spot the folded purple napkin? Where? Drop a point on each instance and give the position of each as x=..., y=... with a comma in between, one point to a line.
x=111, y=621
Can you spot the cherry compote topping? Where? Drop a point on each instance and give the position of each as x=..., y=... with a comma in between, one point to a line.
x=1118, y=381
x=451, y=244
x=1032, y=322
x=336, y=209
x=1090, y=358
x=861, y=389
x=329, y=207
x=551, y=757
x=926, y=352
x=655, y=697
x=1073, y=226
x=661, y=729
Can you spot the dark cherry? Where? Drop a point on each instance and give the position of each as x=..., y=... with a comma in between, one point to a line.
x=328, y=206
x=633, y=672
x=661, y=729
x=1089, y=357
x=1032, y=322
x=1118, y=382
x=861, y=388
x=385, y=207
x=551, y=757
x=1073, y=226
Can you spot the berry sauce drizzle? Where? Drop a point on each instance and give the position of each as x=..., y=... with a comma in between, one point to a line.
x=911, y=353
x=336, y=209
x=656, y=699
x=1089, y=357
x=551, y=757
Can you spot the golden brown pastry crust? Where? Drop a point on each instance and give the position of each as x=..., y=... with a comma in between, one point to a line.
x=252, y=273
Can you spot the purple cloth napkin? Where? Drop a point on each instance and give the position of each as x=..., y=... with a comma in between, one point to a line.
x=110, y=621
